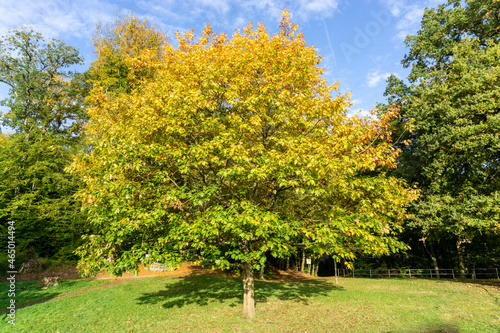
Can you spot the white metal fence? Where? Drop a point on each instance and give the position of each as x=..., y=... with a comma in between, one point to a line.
x=470, y=273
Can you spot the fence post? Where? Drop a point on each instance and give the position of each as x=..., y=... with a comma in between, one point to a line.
x=453, y=273
x=430, y=271
x=353, y=273
x=389, y=272
x=370, y=273
x=409, y=273
x=474, y=274
x=497, y=273
x=344, y=271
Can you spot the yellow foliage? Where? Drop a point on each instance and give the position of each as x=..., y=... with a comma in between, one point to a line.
x=242, y=120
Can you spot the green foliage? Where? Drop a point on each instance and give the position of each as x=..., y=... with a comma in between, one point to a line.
x=46, y=112
x=432, y=48
x=454, y=103
x=118, y=45
x=237, y=148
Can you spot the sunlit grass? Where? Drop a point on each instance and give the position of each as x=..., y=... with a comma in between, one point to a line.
x=210, y=303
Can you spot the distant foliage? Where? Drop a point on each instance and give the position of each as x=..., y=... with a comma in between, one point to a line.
x=45, y=111
x=454, y=103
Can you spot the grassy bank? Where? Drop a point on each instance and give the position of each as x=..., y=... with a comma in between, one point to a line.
x=210, y=303
x=31, y=291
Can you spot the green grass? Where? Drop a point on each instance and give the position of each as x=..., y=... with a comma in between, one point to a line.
x=32, y=292
x=213, y=304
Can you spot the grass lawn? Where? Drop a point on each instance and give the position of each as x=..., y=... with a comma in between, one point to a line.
x=32, y=292
x=212, y=303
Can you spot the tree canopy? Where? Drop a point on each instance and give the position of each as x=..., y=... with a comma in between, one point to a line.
x=45, y=110
x=454, y=153
x=232, y=148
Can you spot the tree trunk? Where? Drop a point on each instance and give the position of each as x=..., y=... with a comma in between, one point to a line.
x=432, y=255
x=302, y=267
x=335, y=267
x=460, y=252
x=287, y=264
x=434, y=259
x=316, y=268
x=248, y=292
x=261, y=273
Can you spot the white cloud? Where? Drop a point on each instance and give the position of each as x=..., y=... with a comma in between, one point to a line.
x=374, y=77
x=54, y=18
x=394, y=6
x=222, y=6
x=77, y=18
x=302, y=9
x=410, y=22
x=239, y=22
x=325, y=7
x=410, y=14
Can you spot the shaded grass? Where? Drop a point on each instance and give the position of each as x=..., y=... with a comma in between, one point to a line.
x=210, y=303
x=32, y=292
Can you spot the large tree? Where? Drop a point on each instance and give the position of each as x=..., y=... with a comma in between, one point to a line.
x=45, y=111
x=231, y=148
x=454, y=103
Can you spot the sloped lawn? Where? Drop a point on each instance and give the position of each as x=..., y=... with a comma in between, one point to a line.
x=212, y=303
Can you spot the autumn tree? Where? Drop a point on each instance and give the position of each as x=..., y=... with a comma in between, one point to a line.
x=45, y=112
x=123, y=49
x=453, y=102
x=234, y=148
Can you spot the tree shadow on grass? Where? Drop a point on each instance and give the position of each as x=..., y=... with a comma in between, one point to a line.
x=205, y=289
x=438, y=327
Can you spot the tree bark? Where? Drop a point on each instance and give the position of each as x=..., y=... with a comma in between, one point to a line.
x=460, y=252
x=335, y=267
x=432, y=255
x=248, y=292
x=303, y=261
x=316, y=268
x=287, y=264
x=434, y=259
x=261, y=272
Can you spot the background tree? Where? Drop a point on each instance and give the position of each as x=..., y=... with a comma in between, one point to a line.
x=45, y=111
x=234, y=148
x=124, y=51
x=454, y=152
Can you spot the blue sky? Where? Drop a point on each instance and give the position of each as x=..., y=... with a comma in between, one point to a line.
x=361, y=41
